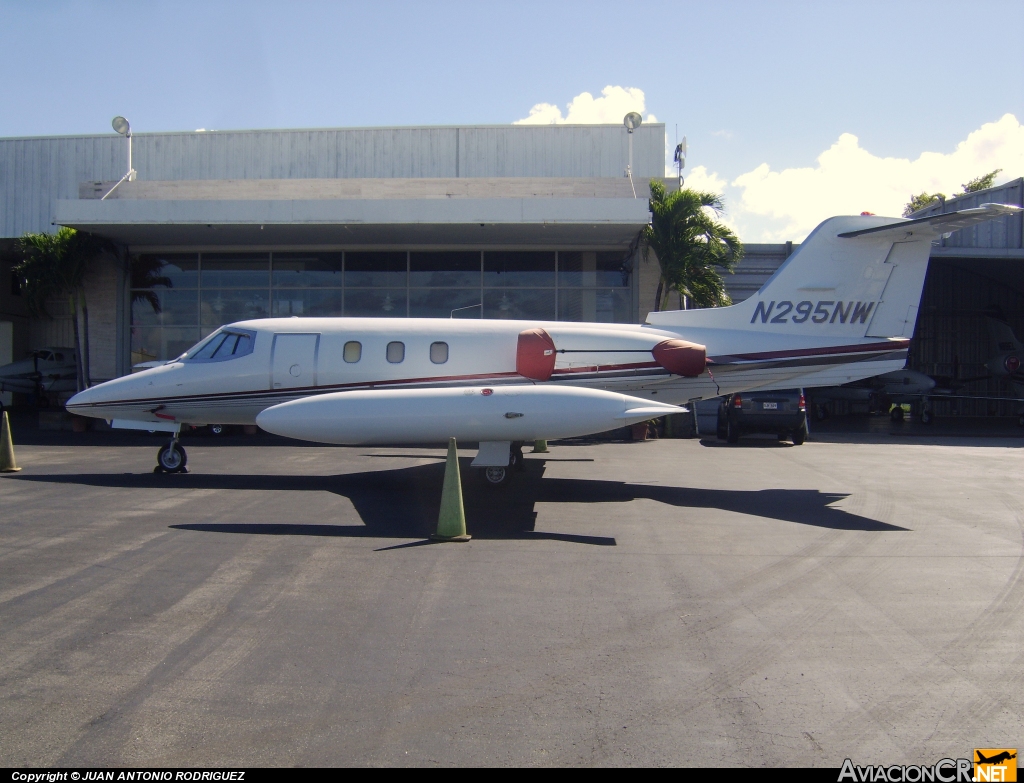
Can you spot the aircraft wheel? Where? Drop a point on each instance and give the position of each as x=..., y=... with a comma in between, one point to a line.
x=217, y=429
x=926, y=417
x=496, y=476
x=172, y=458
x=516, y=461
x=896, y=414
x=800, y=435
x=732, y=433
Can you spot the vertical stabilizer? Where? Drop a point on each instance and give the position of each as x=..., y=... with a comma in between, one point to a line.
x=855, y=277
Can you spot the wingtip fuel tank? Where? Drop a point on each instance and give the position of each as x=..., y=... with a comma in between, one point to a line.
x=475, y=413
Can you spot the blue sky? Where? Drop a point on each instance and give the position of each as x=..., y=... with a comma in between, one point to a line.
x=748, y=83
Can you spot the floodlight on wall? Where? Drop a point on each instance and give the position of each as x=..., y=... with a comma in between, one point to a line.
x=122, y=126
x=632, y=121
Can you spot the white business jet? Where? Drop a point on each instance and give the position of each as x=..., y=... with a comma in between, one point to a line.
x=842, y=307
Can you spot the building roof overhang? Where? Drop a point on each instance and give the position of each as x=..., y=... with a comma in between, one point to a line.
x=468, y=215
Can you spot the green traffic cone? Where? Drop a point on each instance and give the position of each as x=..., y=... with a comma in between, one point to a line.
x=451, y=523
x=7, y=463
x=540, y=447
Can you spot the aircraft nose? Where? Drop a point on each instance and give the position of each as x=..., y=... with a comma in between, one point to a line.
x=84, y=397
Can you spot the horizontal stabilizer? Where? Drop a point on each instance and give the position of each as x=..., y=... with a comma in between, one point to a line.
x=934, y=226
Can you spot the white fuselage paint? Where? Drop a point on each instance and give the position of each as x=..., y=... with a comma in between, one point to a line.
x=611, y=357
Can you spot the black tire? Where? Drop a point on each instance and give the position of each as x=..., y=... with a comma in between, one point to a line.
x=896, y=414
x=926, y=417
x=732, y=433
x=800, y=435
x=496, y=476
x=172, y=458
x=516, y=461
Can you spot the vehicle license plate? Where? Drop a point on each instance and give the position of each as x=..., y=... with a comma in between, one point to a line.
x=770, y=406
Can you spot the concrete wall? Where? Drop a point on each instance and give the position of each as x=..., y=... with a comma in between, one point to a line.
x=35, y=172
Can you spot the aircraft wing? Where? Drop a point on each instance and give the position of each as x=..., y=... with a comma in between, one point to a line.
x=939, y=397
x=936, y=225
x=24, y=385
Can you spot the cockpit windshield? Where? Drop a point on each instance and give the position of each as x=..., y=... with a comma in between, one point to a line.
x=222, y=345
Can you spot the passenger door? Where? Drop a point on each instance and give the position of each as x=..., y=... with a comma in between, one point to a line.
x=293, y=361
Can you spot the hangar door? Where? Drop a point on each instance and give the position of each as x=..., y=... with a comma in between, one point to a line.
x=293, y=360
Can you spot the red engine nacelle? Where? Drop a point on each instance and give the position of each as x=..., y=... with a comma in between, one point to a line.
x=535, y=355
x=680, y=357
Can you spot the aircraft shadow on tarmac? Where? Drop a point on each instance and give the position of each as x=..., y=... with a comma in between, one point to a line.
x=404, y=502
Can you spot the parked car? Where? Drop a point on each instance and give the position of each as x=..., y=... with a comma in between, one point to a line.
x=780, y=411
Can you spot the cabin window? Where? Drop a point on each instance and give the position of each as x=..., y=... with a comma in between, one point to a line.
x=439, y=353
x=353, y=352
x=396, y=352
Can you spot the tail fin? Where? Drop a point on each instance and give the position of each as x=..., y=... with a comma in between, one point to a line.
x=1001, y=337
x=853, y=277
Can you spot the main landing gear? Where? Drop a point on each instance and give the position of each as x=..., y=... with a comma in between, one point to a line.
x=171, y=458
x=497, y=475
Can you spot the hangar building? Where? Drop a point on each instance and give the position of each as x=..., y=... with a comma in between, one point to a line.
x=500, y=222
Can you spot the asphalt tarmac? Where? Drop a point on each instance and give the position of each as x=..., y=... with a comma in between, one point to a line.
x=678, y=602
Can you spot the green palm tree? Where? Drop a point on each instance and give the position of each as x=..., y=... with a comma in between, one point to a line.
x=53, y=265
x=691, y=246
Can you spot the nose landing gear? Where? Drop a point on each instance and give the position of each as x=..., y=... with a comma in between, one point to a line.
x=171, y=458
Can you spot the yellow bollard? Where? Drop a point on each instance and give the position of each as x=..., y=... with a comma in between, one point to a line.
x=7, y=463
x=540, y=447
x=451, y=523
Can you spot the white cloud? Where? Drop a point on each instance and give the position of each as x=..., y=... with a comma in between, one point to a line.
x=848, y=180
x=614, y=104
x=700, y=178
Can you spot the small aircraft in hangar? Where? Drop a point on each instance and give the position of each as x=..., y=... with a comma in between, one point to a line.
x=841, y=308
x=916, y=388
x=46, y=370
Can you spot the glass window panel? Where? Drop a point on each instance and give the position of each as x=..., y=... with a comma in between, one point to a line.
x=516, y=303
x=614, y=269
x=444, y=269
x=375, y=302
x=353, y=352
x=587, y=269
x=162, y=343
x=519, y=268
x=319, y=302
x=375, y=270
x=165, y=270
x=396, y=352
x=218, y=307
x=176, y=308
x=307, y=270
x=603, y=305
x=439, y=302
x=235, y=270
x=439, y=353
